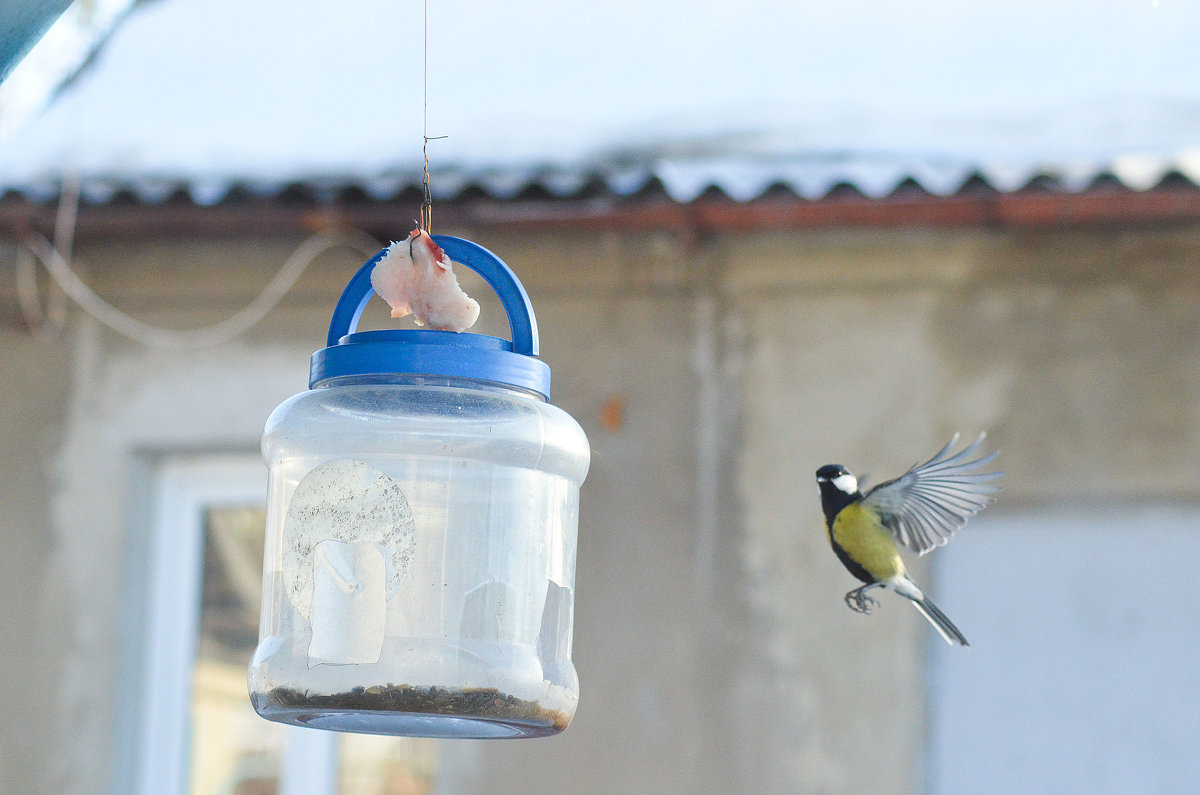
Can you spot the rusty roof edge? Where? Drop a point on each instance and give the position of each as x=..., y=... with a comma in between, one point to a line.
x=1172, y=202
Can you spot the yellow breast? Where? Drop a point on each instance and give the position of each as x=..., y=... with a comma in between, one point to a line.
x=867, y=542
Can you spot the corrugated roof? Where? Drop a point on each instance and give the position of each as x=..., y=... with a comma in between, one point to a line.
x=211, y=97
x=682, y=179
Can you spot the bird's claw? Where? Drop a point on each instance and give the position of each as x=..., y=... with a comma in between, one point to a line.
x=859, y=602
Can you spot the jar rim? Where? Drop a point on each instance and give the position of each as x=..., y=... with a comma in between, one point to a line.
x=427, y=352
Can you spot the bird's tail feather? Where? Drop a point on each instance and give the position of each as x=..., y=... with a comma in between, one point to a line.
x=942, y=624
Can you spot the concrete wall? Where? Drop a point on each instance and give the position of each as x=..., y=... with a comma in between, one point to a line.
x=713, y=647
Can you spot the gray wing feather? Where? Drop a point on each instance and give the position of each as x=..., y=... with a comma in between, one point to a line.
x=928, y=503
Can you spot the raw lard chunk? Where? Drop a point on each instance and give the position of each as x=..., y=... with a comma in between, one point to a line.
x=415, y=276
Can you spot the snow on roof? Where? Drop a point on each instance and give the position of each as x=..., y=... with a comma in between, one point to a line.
x=741, y=95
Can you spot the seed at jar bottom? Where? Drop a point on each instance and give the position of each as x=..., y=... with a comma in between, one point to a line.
x=486, y=703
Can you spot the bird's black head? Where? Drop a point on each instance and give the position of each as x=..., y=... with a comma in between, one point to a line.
x=838, y=488
x=830, y=471
x=836, y=476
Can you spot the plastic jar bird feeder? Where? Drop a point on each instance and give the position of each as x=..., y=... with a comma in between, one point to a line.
x=421, y=531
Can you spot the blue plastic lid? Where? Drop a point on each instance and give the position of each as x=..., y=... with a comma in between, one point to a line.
x=439, y=354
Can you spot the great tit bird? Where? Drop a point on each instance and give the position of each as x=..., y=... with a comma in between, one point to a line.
x=921, y=509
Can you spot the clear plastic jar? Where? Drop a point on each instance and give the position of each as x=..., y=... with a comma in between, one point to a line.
x=420, y=554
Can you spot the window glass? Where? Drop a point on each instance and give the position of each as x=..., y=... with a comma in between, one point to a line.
x=231, y=749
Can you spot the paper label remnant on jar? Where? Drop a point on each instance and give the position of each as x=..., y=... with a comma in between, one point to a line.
x=356, y=505
x=349, y=604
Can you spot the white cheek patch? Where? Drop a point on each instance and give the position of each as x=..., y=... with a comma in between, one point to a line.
x=846, y=483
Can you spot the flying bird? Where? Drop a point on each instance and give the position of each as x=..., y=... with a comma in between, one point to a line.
x=920, y=510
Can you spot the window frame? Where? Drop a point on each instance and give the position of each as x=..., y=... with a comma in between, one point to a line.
x=184, y=488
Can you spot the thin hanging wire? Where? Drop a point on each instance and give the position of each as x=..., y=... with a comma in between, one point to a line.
x=427, y=203
x=426, y=222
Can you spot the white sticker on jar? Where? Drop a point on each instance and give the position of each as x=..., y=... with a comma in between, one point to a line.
x=365, y=511
x=349, y=604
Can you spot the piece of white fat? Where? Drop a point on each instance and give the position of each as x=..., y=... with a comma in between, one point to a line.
x=415, y=277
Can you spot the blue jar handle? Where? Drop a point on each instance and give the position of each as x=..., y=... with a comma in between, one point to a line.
x=521, y=322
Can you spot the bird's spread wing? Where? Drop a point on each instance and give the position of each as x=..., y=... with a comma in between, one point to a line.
x=928, y=503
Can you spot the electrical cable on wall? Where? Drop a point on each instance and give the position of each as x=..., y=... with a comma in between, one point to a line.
x=56, y=258
x=48, y=324
x=43, y=323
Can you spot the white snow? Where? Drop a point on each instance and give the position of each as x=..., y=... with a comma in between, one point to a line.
x=741, y=94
